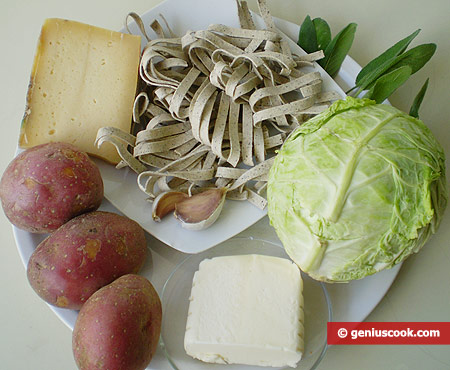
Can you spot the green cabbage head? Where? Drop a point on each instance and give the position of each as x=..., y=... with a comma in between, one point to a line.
x=356, y=189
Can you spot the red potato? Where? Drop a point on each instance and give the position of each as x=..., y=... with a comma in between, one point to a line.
x=85, y=254
x=47, y=185
x=119, y=326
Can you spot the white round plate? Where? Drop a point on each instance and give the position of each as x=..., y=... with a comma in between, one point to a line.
x=351, y=302
x=175, y=301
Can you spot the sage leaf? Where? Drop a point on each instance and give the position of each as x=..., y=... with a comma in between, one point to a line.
x=389, y=54
x=388, y=83
x=307, y=38
x=323, y=33
x=414, y=111
x=337, y=50
x=372, y=76
x=415, y=58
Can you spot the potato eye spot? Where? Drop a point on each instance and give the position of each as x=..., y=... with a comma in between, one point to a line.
x=30, y=183
x=68, y=172
x=62, y=301
x=74, y=156
x=91, y=248
x=121, y=248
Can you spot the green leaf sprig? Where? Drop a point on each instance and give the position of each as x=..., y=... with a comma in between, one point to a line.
x=414, y=111
x=385, y=85
x=315, y=35
x=387, y=72
x=381, y=76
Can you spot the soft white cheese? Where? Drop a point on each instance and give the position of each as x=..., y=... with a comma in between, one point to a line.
x=246, y=309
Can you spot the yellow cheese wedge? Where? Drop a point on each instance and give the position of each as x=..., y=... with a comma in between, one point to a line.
x=83, y=78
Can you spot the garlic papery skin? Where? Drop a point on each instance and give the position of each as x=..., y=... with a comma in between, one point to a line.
x=201, y=210
x=165, y=203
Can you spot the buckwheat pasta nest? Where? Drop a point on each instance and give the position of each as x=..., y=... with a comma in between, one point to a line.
x=214, y=106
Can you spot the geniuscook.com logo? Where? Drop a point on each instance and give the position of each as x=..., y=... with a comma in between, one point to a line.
x=388, y=333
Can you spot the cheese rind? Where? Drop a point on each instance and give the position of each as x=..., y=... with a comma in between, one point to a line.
x=83, y=78
x=246, y=309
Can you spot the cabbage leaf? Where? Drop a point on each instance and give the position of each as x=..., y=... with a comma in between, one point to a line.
x=356, y=189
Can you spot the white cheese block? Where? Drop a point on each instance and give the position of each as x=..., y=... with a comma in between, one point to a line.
x=246, y=309
x=83, y=78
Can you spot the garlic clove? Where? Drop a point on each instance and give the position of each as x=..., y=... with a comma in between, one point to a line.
x=165, y=203
x=201, y=210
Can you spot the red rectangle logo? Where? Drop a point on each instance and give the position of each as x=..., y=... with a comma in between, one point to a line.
x=388, y=333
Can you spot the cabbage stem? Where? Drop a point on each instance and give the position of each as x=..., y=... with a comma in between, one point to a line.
x=346, y=179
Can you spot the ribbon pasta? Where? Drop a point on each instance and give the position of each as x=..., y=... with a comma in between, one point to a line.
x=214, y=105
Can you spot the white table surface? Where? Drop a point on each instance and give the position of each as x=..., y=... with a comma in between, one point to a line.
x=32, y=337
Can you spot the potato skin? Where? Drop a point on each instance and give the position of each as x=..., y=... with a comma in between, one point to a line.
x=85, y=254
x=47, y=185
x=119, y=326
